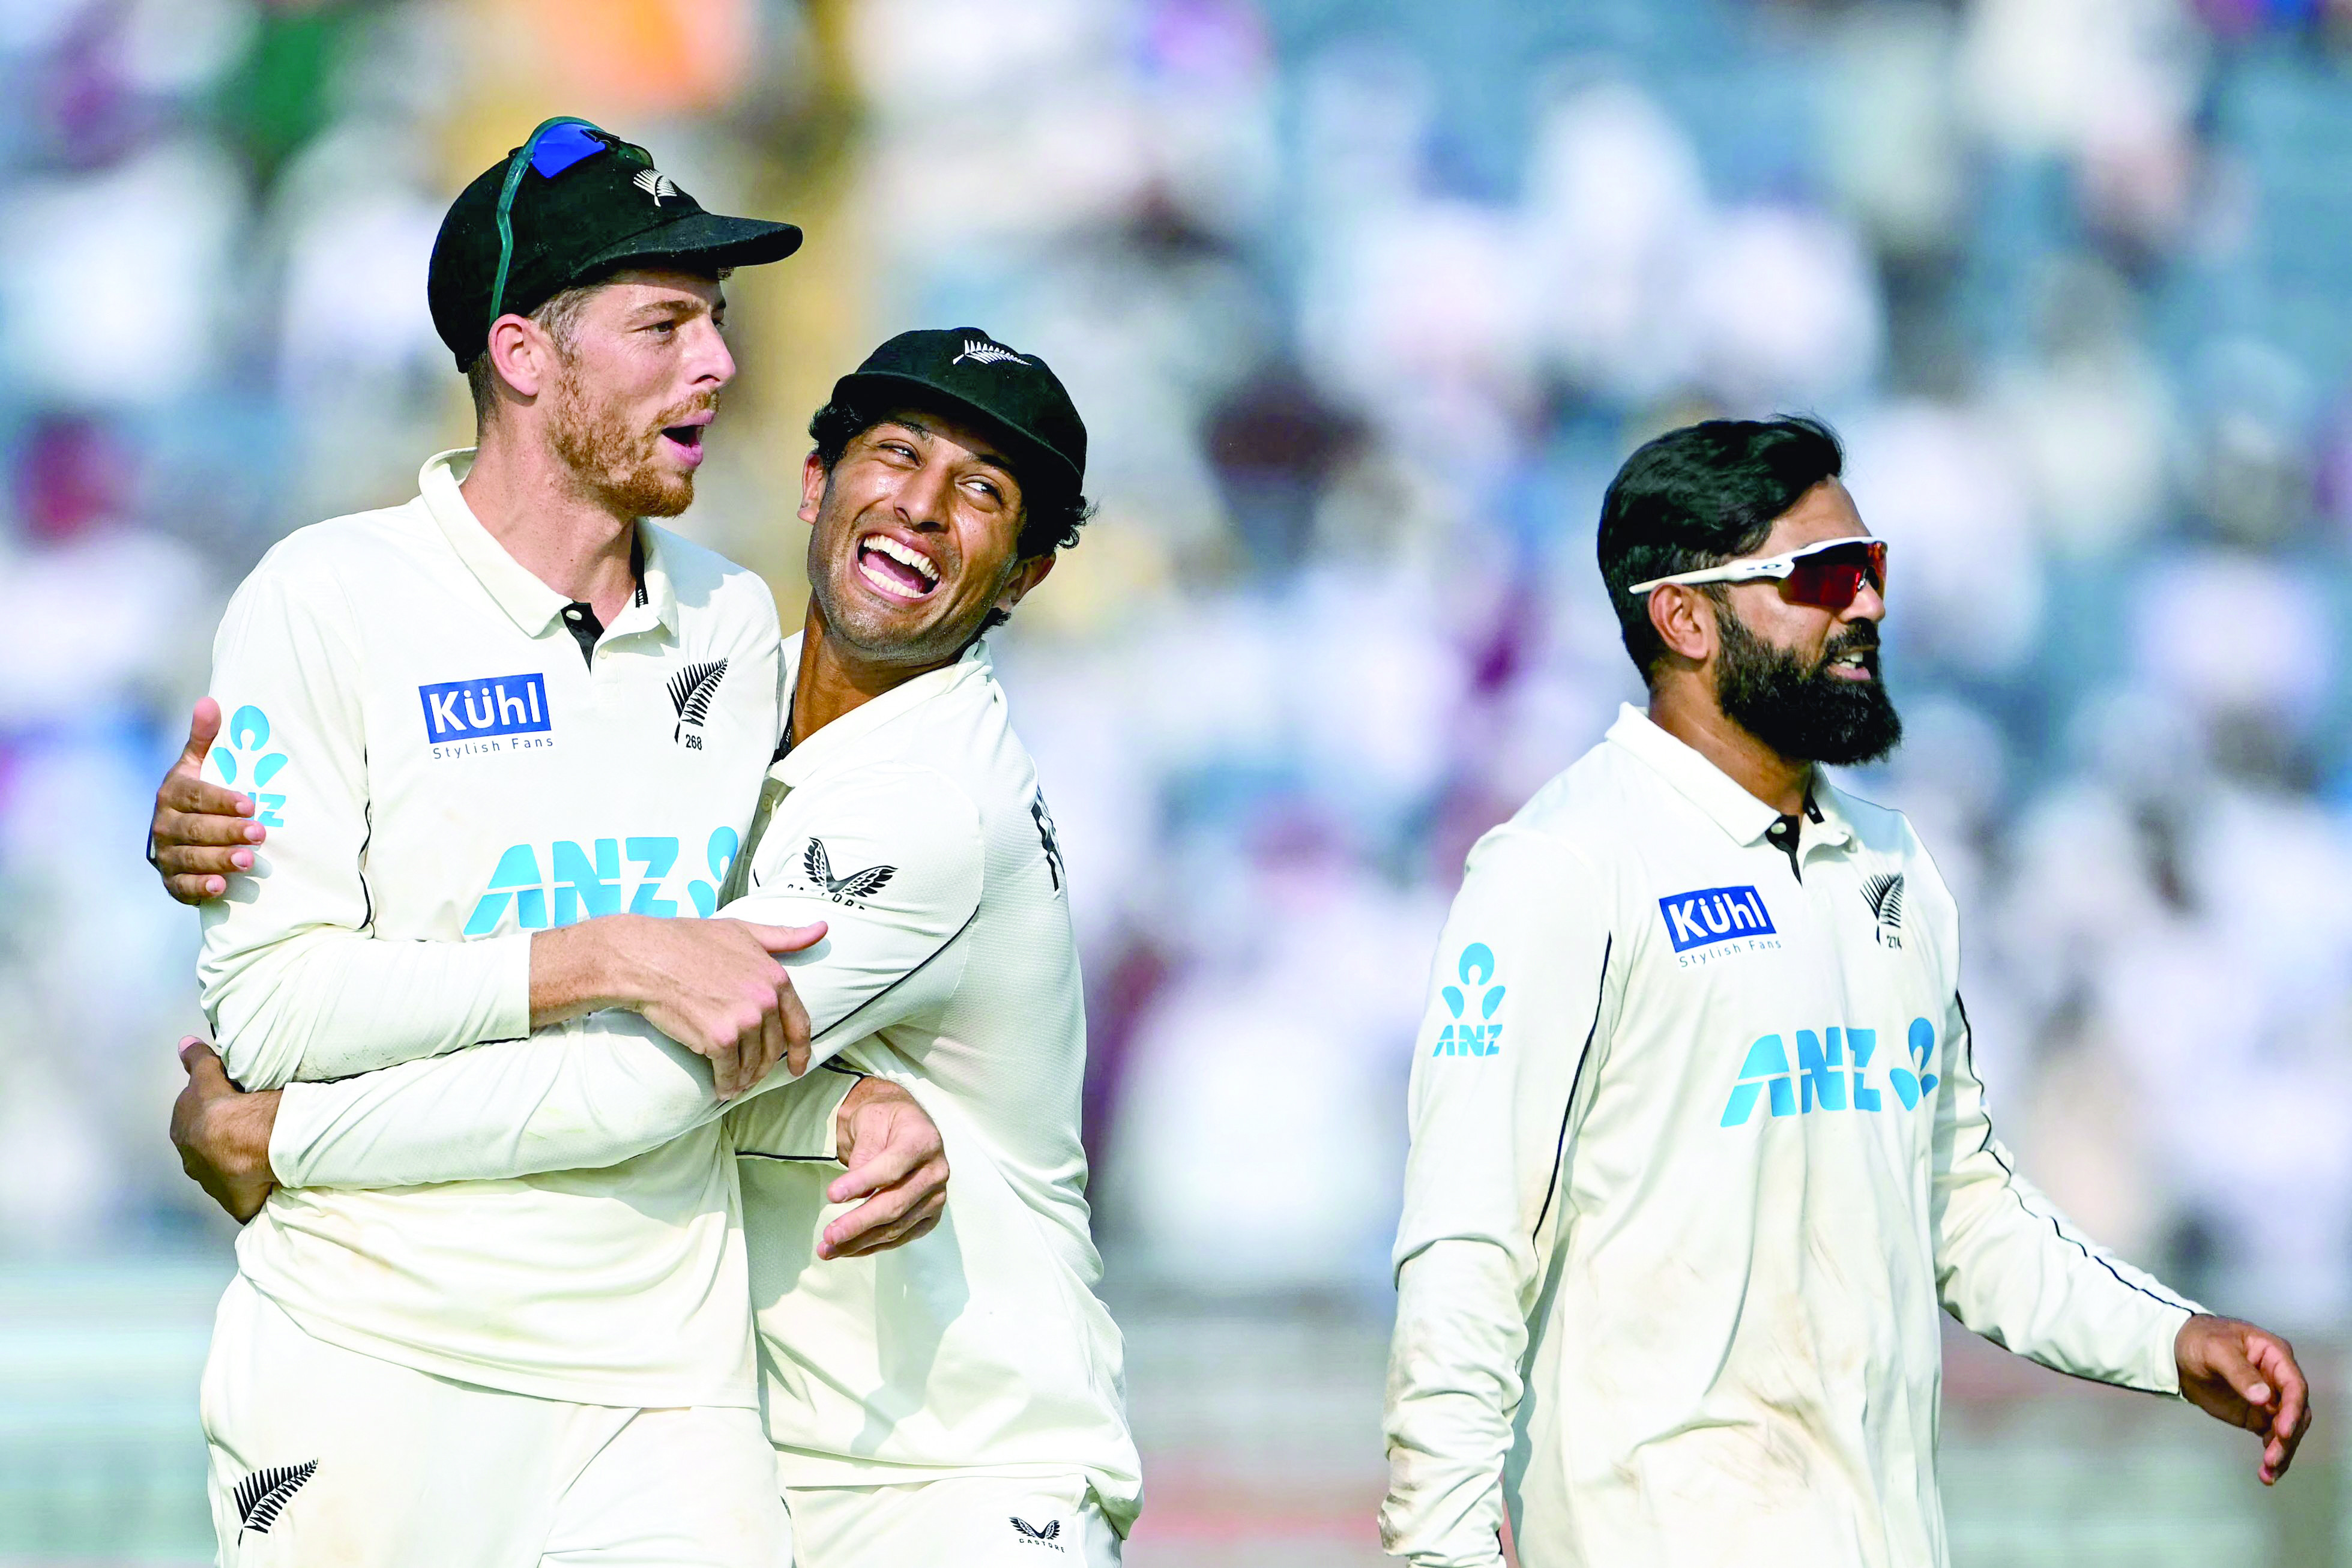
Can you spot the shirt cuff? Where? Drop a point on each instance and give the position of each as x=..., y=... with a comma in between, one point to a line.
x=506, y=964
x=798, y=1120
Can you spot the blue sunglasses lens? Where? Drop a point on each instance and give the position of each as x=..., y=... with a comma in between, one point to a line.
x=562, y=147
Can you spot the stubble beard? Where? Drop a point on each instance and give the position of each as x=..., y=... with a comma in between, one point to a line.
x=868, y=629
x=1801, y=710
x=614, y=459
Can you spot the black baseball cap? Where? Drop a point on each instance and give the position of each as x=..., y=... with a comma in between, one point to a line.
x=1016, y=395
x=584, y=203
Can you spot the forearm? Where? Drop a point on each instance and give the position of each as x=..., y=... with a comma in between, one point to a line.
x=580, y=968
x=2010, y=1268
x=551, y=1102
x=1454, y=1387
x=329, y=1002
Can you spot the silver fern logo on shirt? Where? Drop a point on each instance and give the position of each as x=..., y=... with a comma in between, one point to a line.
x=262, y=1495
x=691, y=691
x=1884, y=894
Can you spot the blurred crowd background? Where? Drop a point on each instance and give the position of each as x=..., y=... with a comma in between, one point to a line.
x=1363, y=302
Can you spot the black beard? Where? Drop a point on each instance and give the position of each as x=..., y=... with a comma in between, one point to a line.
x=1805, y=711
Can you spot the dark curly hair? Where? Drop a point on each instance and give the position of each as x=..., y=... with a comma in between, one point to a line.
x=1050, y=518
x=1698, y=497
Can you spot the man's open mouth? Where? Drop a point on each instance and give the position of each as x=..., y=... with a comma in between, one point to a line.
x=1854, y=664
x=896, y=568
x=686, y=441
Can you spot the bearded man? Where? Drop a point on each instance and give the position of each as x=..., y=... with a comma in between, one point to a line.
x=1698, y=1143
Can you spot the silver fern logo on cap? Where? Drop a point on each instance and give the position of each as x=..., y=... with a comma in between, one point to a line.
x=657, y=184
x=986, y=353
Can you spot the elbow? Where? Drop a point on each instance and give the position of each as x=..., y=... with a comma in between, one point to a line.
x=258, y=1040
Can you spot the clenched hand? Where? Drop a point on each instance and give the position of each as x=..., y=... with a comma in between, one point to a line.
x=223, y=1134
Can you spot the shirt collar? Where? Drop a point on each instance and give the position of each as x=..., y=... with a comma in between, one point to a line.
x=1739, y=814
x=809, y=756
x=531, y=604
x=656, y=601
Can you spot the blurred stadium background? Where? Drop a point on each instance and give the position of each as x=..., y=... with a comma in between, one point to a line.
x=1363, y=301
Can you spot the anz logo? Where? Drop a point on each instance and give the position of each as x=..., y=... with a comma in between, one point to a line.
x=582, y=881
x=1473, y=1032
x=1822, y=1079
x=248, y=735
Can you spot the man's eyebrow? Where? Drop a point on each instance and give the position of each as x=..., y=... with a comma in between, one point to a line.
x=672, y=303
x=1001, y=464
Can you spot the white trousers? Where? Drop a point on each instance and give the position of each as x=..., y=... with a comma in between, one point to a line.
x=966, y=1521
x=323, y=1456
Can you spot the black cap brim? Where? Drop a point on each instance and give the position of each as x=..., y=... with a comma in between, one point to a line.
x=703, y=240
x=1040, y=466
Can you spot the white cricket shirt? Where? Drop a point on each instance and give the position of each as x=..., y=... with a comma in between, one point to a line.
x=1698, y=1152
x=914, y=827
x=443, y=770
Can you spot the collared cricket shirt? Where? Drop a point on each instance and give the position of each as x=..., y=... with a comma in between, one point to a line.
x=446, y=765
x=1698, y=1154
x=914, y=827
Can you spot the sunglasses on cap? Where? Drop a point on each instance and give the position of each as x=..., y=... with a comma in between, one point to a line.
x=1827, y=576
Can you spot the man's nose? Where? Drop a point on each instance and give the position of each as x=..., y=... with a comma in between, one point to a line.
x=708, y=360
x=1869, y=605
x=923, y=498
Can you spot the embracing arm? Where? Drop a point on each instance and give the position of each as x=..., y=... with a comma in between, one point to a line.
x=892, y=1152
x=1516, y=1012
x=616, y=1086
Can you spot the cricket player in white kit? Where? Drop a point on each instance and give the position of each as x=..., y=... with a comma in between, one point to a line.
x=468, y=725
x=1698, y=1144
x=960, y=1399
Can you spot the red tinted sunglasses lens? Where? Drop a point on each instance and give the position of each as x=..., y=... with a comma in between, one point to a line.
x=1830, y=579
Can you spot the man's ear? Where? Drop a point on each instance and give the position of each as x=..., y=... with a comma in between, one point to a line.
x=1027, y=575
x=1684, y=619
x=521, y=354
x=814, y=475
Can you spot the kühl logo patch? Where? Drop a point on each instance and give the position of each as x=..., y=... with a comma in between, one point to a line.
x=1466, y=1036
x=1714, y=914
x=489, y=705
x=1821, y=1079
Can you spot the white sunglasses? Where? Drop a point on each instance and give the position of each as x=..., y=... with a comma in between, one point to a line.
x=1809, y=576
